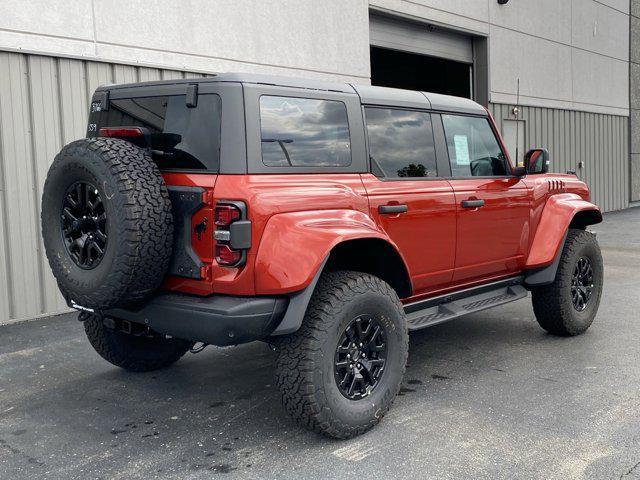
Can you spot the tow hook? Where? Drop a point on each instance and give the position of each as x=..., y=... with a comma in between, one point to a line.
x=199, y=348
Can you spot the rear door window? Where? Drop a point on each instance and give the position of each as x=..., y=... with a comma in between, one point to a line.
x=180, y=137
x=401, y=143
x=304, y=132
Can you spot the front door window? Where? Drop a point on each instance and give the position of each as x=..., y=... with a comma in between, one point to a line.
x=473, y=148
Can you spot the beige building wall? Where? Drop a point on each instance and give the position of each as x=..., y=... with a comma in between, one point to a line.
x=571, y=56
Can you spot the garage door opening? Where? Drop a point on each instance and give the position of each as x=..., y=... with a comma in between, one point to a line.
x=393, y=68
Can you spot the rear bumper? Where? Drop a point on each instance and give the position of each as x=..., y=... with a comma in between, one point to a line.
x=216, y=320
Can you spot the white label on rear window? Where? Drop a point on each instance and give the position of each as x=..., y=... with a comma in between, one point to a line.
x=462, y=149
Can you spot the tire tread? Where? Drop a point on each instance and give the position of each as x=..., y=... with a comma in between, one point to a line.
x=299, y=352
x=111, y=345
x=144, y=224
x=552, y=308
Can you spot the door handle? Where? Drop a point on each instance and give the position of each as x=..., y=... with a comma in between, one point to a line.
x=472, y=203
x=389, y=209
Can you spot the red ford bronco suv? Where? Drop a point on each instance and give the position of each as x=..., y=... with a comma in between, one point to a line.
x=327, y=219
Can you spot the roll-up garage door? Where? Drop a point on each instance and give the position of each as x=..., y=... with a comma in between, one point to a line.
x=396, y=34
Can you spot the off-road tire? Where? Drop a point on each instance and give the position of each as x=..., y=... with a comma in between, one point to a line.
x=139, y=223
x=552, y=304
x=305, y=364
x=131, y=352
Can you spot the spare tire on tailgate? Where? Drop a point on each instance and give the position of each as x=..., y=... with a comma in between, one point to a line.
x=106, y=223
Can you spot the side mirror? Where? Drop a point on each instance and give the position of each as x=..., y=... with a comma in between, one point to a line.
x=519, y=171
x=536, y=161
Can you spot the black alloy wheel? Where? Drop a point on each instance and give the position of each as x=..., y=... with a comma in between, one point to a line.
x=84, y=225
x=339, y=373
x=107, y=223
x=569, y=304
x=582, y=284
x=360, y=357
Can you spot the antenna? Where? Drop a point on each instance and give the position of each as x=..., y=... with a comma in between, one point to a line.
x=516, y=111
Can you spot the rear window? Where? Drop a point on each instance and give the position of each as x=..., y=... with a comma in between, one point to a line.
x=304, y=132
x=180, y=137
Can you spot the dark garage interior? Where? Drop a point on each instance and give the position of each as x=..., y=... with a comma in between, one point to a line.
x=393, y=68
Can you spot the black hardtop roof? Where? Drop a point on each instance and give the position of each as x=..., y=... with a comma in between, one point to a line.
x=368, y=94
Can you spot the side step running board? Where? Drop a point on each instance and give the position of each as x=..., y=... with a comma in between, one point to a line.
x=432, y=311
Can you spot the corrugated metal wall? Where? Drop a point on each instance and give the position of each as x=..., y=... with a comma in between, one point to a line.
x=50, y=96
x=43, y=105
x=600, y=141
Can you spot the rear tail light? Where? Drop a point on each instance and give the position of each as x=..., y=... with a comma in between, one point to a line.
x=226, y=256
x=233, y=233
x=139, y=136
x=226, y=214
x=121, y=132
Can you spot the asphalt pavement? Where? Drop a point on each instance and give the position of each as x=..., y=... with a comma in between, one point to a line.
x=490, y=395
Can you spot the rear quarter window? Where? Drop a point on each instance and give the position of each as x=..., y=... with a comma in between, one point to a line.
x=180, y=138
x=304, y=132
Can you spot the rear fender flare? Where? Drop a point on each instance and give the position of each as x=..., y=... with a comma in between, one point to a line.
x=295, y=245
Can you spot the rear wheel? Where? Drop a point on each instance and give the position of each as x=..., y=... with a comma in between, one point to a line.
x=340, y=372
x=133, y=348
x=569, y=305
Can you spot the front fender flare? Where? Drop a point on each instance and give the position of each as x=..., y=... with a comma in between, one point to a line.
x=559, y=211
x=294, y=245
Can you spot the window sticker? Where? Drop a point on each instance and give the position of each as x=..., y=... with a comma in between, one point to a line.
x=462, y=149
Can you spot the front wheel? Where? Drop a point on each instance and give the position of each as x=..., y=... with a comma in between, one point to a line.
x=568, y=306
x=340, y=372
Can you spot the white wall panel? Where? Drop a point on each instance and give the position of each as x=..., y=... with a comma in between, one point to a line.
x=599, y=81
x=599, y=28
x=65, y=19
x=620, y=5
x=326, y=39
x=328, y=36
x=548, y=19
x=544, y=72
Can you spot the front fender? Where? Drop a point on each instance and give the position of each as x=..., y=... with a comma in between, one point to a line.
x=558, y=213
x=294, y=245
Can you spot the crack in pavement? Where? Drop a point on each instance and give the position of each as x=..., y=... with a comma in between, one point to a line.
x=630, y=471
